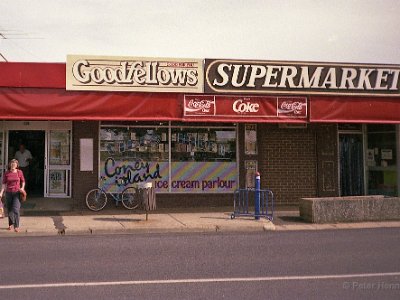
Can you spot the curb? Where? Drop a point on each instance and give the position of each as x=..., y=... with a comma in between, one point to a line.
x=338, y=226
x=189, y=229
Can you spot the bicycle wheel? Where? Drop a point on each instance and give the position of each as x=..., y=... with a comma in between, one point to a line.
x=130, y=198
x=96, y=199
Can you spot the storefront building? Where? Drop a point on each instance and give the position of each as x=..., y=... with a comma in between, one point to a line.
x=199, y=130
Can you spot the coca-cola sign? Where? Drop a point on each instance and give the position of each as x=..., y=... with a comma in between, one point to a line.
x=199, y=106
x=246, y=107
x=300, y=78
x=134, y=74
x=241, y=106
x=292, y=107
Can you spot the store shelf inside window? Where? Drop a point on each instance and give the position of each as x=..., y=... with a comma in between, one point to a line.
x=202, y=144
x=135, y=143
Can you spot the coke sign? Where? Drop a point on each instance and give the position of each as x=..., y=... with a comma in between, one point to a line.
x=199, y=106
x=292, y=107
x=239, y=106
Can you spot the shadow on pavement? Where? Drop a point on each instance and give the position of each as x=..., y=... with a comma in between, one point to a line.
x=117, y=219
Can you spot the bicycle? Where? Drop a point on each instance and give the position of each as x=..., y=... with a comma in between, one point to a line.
x=96, y=199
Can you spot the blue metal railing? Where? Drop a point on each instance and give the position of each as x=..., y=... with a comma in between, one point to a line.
x=242, y=199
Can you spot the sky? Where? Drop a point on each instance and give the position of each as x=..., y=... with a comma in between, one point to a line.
x=355, y=31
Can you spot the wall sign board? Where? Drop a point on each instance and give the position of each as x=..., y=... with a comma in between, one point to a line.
x=274, y=77
x=142, y=74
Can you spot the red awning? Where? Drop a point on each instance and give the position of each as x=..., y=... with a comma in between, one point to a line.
x=36, y=91
x=58, y=104
x=355, y=109
x=40, y=75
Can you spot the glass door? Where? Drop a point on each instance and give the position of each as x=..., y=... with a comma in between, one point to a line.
x=351, y=164
x=382, y=159
x=58, y=163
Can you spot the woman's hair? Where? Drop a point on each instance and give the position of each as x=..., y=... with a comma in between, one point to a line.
x=11, y=161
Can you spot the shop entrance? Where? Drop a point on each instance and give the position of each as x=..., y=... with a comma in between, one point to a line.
x=34, y=142
x=351, y=164
x=49, y=142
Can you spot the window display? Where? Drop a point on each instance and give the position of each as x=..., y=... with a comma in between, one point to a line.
x=381, y=160
x=174, y=158
x=59, y=147
x=57, y=181
x=203, y=159
x=131, y=155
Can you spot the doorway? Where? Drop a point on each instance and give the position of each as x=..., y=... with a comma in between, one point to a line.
x=35, y=142
x=351, y=164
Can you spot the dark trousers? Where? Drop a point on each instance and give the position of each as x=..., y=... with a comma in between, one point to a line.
x=13, y=207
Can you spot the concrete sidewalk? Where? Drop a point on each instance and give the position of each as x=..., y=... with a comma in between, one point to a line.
x=121, y=222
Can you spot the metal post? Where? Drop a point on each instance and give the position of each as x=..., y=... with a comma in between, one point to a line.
x=257, y=196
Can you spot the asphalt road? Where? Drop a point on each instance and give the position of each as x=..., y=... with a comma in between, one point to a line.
x=332, y=264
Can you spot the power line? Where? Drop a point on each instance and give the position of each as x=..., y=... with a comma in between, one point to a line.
x=9, y=35
x=2, y=56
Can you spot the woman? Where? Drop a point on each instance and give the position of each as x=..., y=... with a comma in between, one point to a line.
x=13, y=182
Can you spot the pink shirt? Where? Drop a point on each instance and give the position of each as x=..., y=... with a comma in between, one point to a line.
x=13, y=180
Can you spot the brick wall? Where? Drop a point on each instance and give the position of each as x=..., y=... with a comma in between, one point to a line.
x=288, y=162
x=82, y=182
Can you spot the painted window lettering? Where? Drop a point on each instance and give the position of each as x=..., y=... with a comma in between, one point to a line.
x=138, y=171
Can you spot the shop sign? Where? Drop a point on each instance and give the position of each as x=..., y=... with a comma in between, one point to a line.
x=215, y=177
x=199, y=105
x=263, y=77
x=118, y=174
x=203, y=177
x=98, y=73
x=245, y=106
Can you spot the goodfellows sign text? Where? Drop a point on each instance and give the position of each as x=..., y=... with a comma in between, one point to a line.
x=143, y=74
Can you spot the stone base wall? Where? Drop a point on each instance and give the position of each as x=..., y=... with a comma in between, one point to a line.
x=350, y=209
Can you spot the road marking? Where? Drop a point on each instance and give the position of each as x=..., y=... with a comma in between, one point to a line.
x=194, y=280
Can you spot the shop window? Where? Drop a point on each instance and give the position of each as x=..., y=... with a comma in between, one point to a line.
x=203, y=159
x=381, y=159
x=59, y=147
x=175, y=158
x=131, y=155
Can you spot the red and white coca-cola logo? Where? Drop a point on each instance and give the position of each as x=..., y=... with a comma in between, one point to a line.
x=292, y=107
x=241, y=106
x=196, y=105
